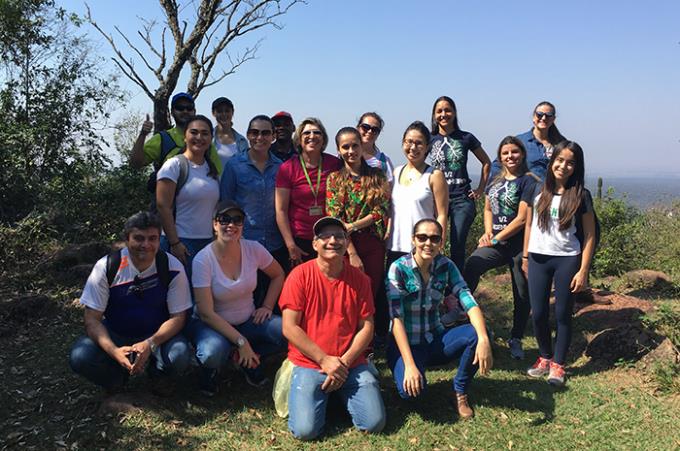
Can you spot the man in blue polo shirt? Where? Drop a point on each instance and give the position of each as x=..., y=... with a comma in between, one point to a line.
x=135, y=307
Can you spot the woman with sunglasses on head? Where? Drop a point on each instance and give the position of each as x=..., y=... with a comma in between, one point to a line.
x=502, y=241
x=301, y=189
x=187, y=191
x=359, y=196
x=419, y=191
x=225, y=275
x=417, y=285
x=554, y=254
x=370, y=125
x=540, y=141
x=228, y=141
x=249, y=179
x=450, y=147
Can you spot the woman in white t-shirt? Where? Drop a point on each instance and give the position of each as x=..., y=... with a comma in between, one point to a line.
x=370, y=125
x=186, y=213
x=224, y=277
x=553, y=254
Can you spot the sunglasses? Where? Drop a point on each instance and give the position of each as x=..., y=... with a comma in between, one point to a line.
x=325, y=236
x=312, y=132
x=369, y=128
x=409, y=142
x=225, y=219
x=254, y=133
x=540, y=115
x=434, y=239
x=183, y=108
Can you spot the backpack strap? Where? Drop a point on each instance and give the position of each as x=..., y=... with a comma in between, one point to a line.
x=168, y=144
x=183, y=172
x=112, y=265
x=163, y=268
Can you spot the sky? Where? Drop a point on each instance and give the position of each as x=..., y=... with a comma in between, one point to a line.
x=612, y=69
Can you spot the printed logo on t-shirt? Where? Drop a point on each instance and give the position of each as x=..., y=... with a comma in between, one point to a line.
x=554, y=213
x=447, y=153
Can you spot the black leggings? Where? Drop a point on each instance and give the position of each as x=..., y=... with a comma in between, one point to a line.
x=543, y=269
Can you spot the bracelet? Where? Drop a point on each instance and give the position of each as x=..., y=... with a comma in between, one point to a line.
x=174, y=244
x=525, y=257
x=268, y=308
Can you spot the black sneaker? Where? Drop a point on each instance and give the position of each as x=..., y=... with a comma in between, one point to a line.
x=255, y=377
x=208, y=382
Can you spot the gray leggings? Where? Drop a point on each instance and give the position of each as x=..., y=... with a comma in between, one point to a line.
x=484, y=259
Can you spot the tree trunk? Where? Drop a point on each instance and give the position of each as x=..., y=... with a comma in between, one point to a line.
x=161, y=114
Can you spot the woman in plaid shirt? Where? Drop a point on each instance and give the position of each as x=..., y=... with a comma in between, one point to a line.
x=417, y=285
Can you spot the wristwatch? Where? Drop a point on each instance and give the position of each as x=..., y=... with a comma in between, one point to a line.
x=240, y=341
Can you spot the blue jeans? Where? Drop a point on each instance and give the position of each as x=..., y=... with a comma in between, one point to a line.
x=461, y=215
x=307, y=402
x=193, y=245
x=91, y=362
x=458, y=342
x=213, y=349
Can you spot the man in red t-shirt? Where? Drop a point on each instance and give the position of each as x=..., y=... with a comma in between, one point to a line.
x=328, y=311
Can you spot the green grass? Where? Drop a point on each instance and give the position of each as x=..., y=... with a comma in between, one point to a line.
x=48, y=407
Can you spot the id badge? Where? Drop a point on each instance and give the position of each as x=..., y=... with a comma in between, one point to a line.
x=316, y=210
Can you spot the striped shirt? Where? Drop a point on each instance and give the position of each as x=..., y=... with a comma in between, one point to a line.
x=416, y=304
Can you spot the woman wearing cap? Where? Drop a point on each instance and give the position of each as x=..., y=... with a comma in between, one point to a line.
x=359, y=196
x=417, y=285
x=301, y=189
x=370, y=125
x=187, y=191
x=225, y=275
x=227, y=140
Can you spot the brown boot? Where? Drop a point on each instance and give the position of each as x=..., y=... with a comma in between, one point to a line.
x=465, y=412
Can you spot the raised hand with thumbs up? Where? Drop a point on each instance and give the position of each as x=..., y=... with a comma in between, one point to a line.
x=147, y=126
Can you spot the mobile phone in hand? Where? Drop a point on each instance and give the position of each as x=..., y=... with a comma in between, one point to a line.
x=132, y=357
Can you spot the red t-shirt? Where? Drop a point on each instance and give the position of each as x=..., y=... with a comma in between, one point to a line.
x=291, y=176
x=331, y=309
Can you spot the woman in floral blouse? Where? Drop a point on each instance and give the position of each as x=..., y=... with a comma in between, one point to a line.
x=359, y=195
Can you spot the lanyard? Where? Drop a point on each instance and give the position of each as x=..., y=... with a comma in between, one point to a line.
x=318, y=178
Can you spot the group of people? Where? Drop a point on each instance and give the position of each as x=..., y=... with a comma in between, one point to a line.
x=267, y=242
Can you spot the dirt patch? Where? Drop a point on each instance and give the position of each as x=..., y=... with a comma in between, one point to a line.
x=17, y=312
x=626, y=342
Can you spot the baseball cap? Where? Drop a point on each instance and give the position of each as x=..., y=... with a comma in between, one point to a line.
x=326, y=221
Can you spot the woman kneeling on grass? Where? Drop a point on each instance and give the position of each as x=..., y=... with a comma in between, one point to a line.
x=554, y=254
x=417, y=285
x=225, y=275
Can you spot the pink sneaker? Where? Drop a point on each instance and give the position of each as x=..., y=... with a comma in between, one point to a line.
x=540, y=368
x=556, y=376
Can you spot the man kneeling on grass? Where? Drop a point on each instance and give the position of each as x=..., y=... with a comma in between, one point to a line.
x=328, y=311
x=135, y=306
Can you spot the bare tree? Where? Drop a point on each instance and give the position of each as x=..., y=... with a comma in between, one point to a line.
x=218, y=23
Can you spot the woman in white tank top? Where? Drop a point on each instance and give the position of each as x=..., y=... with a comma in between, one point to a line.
x=419, y=192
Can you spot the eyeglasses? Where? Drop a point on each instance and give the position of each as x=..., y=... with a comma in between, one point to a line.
x=409, y=142
x=434, y=239
x=254, y=133
x=541, y=114
x=369, y=128
x=184, y=108
x=325, y=236
x=225, y=219
x=312, y=132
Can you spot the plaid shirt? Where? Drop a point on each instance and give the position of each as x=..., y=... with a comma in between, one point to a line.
x=417, y=305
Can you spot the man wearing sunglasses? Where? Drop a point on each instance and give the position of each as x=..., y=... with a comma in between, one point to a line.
x=135, y=307
x=328, y=312
x=167, y=143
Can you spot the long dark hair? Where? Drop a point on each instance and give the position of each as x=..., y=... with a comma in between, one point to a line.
x=212, y=170
x=435, y=126
x=373, y=180
x=422, y=129
x=573, y=191
x=523, y=168
x=554, y=135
